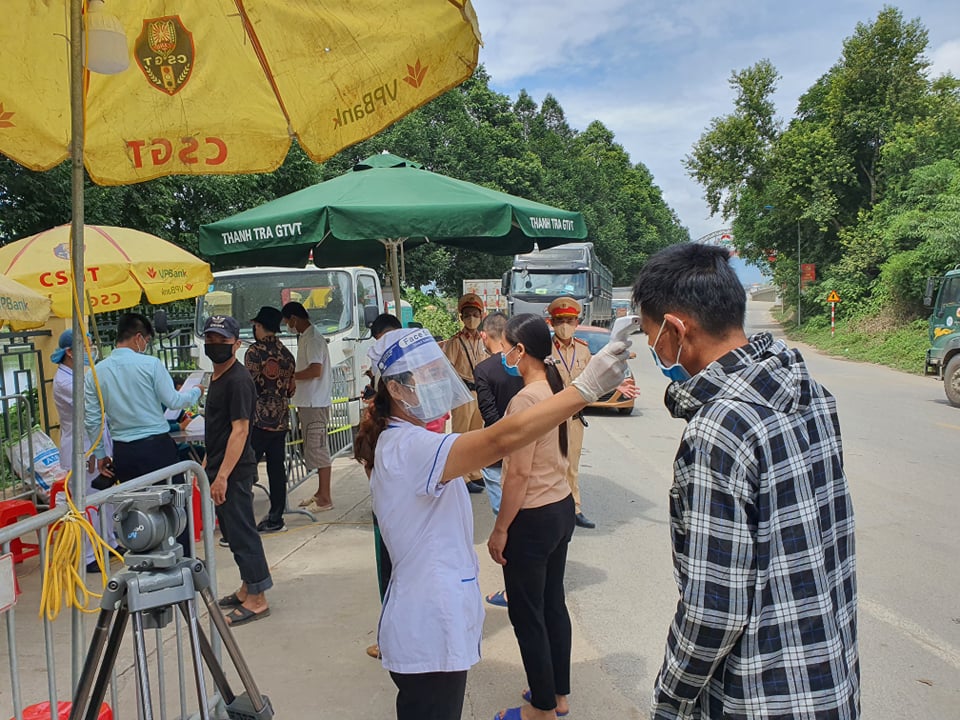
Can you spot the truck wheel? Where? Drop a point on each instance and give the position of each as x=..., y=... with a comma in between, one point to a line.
x=951, y=381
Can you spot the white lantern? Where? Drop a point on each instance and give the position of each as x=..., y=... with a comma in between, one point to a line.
x=107, y=52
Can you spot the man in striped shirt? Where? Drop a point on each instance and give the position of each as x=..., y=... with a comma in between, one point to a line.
x=760, y=511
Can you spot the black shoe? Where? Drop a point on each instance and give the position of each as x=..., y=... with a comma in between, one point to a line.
x=121, y=550
x=583, y=522
x=223, y=542
x=474, y=487
x=271, y=526
x=92, y=567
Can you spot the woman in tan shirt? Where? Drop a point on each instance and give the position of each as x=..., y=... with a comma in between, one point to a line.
x=534, y=527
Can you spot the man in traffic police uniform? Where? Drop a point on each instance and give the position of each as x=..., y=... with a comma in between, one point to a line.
x=571, y=356
x=465, y=350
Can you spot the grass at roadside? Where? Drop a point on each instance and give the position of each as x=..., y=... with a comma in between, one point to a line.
x=902, y=347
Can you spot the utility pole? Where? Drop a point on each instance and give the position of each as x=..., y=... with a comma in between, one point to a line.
x=799, y=274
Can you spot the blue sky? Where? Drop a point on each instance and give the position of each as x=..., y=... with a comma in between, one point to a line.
x=656, y=73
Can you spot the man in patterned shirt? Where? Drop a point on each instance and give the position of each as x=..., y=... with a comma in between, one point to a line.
x=272, y=366
x=760, y=512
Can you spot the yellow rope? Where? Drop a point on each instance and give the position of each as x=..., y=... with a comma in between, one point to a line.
x=62, y=582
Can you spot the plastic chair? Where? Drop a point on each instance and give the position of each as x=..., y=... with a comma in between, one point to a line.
x=41, y=711
x=10, y=512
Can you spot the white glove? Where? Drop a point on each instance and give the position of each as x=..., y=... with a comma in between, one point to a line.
x=604, y=372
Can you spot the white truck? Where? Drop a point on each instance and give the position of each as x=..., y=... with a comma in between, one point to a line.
x=341, y=302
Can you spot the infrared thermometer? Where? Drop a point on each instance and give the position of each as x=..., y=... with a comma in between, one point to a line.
x=623, y=327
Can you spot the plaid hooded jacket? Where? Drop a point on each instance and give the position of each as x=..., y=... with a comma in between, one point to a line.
x=763, y=547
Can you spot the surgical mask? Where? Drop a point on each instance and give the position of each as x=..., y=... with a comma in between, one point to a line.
x=675, y=372
x=434, y=400
x=471, y=322
x=218, y=353
x=94, y=355
x=513, y=370
x=564, y=331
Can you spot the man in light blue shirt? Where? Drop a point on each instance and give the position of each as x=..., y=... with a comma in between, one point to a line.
x=135, y=389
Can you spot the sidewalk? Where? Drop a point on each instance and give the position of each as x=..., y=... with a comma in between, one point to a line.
x=309, y=655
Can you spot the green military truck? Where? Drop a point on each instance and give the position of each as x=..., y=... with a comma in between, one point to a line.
x=943, y=355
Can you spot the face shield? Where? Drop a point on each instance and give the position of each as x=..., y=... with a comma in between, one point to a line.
x=429, y=387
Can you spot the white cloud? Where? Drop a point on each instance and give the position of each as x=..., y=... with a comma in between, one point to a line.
x=946, y=59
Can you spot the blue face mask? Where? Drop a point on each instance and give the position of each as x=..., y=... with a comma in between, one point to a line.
x=511, y=369
x=675, y=372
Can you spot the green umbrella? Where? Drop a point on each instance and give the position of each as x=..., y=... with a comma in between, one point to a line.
x=385, y=201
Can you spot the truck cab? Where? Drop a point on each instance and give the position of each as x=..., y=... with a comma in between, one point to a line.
x=572, y=270
x=341, y=302
x=943, y=355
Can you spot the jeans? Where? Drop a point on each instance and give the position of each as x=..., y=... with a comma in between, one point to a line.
x=491, y=481
x=536, y=554
x=273, y=445
x=430, y=696
x=236, y=519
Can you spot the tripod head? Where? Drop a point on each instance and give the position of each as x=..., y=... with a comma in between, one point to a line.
x=148, y=522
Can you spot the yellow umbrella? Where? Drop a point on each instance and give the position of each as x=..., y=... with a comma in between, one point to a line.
x=20, y=306
x=120, y=265
x=221, y=86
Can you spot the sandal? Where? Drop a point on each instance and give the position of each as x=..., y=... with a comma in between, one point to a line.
x=306, y=501
x=229, y=601
x=528, y=696
x=498, y=598
x=241, y=616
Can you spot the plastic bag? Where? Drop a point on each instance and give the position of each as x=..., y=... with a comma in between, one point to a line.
x=46, y=459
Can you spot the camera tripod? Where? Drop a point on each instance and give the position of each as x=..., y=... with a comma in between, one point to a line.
x=149, y=596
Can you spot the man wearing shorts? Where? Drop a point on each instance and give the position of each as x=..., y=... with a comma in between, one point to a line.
x=312, y=400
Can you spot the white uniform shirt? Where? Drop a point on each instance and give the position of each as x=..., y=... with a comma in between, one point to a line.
x=63, y=401
x=432, y=616
x=316, y=392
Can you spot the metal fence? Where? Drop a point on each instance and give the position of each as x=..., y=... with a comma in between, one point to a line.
x=22, y=373
x=17, y=472
x=34, y=644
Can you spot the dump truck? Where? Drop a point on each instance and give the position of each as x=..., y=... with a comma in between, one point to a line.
x=943, y=355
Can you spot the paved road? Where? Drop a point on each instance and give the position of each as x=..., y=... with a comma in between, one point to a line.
x=899, y=440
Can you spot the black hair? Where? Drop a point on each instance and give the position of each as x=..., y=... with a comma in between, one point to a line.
x=494, y=324
x=294, y=309
x=384, y=323
x=533, y=333
x=132, y=324
x=374, y=421
x=696, y=279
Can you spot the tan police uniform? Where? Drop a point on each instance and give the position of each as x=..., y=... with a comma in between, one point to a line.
x=571, y=358
x=465, y=350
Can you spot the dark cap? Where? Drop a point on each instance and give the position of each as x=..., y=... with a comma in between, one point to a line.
x=269, y=317
x=294, y=309
x=222, y=325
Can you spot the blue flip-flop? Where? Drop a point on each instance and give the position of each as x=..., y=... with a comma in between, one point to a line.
x=498, y=598
x=528, y=696
x=510, y=714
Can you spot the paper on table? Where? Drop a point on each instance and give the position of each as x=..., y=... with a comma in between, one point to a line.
x=194, y=379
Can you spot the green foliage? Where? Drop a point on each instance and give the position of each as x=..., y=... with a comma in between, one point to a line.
x=903, y=348
x=436, y=313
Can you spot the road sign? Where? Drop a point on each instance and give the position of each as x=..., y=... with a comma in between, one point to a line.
x=833, y=297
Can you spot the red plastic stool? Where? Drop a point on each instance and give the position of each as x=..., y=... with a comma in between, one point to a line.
x=41, y=711
x=56, y=489
x=10, y=512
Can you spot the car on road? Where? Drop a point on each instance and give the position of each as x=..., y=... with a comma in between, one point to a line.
x=596, y=338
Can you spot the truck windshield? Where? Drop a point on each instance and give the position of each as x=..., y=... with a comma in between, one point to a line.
x=950, y=294
x=534, y=282
x=241, y=295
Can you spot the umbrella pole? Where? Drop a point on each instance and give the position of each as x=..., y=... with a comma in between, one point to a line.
x=78, y=476
x=392, y=244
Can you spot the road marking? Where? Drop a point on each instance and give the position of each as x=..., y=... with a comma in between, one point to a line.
x=928, y=641
x=948, y=426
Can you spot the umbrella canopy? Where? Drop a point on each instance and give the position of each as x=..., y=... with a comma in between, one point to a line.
x=120, y=265
x=382, y=201
x=221, y=86
x=20, y=306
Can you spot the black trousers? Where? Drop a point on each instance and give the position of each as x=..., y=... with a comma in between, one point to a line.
x=272, y=444
x=536, y=554
x=236, y=517
x=139, y=457
x=430, y=696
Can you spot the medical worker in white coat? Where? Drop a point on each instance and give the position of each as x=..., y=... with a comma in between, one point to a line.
x=63, y=400
x=432, y=617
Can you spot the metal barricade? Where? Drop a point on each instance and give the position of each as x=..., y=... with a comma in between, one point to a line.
x=340, y=433
x=44, y=643
x=16, y=438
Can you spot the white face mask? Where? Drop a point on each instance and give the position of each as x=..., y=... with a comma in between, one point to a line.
x=564, y=331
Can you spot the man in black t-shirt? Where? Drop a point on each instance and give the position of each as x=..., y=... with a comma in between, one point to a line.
x=232, y=467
